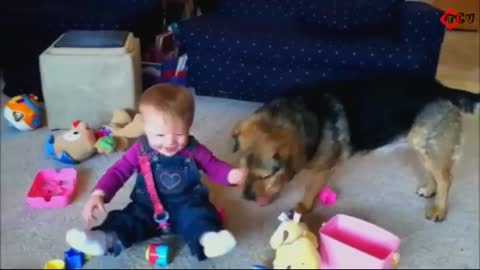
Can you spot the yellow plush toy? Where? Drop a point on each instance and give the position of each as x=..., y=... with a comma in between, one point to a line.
x=295, y=246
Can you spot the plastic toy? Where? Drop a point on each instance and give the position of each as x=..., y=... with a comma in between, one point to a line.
x=81, y=142
x=23, y=112
x=348, y=242
x=157, y=254
x=74, y=259
x=221, y=213
x=257, y=266
x=51, y=189
x=105, y=145
x=54, y=264
x=295, y=246
x=327, y=196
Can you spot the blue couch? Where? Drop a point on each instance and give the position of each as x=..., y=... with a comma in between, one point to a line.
x=253, y=49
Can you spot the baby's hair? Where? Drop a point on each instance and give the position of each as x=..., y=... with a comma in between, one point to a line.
x=171, y=99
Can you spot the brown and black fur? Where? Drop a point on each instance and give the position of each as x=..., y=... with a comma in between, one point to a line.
x=315, y=128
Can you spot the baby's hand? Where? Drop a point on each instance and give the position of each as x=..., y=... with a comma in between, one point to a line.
x=94, y=202
x=237, y=176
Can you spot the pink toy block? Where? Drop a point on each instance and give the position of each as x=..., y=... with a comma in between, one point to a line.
x=51, y=189
x=327, y=196
x=351, y=243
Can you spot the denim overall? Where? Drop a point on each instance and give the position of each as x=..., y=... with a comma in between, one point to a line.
x=177, y=182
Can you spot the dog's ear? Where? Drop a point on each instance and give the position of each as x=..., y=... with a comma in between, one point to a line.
x=235, y=143
x=235, y=133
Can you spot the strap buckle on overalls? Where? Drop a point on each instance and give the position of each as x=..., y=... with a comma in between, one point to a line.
x=162, y=220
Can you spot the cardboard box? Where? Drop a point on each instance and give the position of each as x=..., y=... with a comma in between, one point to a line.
x=468, y=13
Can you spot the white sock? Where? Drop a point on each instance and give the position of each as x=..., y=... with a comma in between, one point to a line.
x=93, y=243
x=217, y=243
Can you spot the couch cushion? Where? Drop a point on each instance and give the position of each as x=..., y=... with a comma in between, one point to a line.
x=349, y=15
x=282, y=43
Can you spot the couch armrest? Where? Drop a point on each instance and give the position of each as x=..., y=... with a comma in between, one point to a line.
x=420, y=24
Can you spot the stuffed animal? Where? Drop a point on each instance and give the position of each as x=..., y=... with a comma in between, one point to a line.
x=295, y=246
x=23, y=112
x=82, y=142
x=72, y=146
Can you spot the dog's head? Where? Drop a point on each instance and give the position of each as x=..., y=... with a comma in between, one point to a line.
x=270, y=152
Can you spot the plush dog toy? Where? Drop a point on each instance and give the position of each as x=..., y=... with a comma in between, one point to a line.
x=81, y=142
x=295, y=246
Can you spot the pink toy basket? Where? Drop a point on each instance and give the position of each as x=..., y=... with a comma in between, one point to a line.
x=351, y=243
x=51, y=189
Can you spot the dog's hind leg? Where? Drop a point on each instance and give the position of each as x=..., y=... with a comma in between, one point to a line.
x=436, y=137
x=427, y=189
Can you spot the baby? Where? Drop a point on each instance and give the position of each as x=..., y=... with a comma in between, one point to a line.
x=168, y=195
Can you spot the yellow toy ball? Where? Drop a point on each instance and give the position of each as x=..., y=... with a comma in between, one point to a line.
x=23, y=112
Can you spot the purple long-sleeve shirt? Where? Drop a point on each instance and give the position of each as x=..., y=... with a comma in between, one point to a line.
x=116, y=176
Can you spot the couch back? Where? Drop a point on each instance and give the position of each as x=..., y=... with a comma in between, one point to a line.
x=334, y=15
x=258, y=8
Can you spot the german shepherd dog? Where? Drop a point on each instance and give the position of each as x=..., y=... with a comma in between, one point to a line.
x=317, y=127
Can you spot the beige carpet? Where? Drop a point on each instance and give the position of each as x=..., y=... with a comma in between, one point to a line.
x=378, y=187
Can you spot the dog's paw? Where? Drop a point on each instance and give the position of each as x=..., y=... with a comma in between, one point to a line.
x=426, y=191
x=436, y=213
x=302, y=209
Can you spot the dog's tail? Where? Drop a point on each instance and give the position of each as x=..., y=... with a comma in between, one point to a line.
x=466, y=101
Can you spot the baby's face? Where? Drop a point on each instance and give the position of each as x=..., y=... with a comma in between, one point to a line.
x=165, y=134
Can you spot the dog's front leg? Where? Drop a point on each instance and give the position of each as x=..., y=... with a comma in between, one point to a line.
x=316, y=179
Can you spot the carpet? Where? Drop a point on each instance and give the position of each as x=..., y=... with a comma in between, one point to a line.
x=378, y=187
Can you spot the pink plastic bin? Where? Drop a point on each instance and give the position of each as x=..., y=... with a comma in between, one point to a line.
x=351, y=243
x=51, y=189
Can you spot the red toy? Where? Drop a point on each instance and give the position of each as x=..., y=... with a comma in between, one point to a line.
x=221, y=212
x=157, y=254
